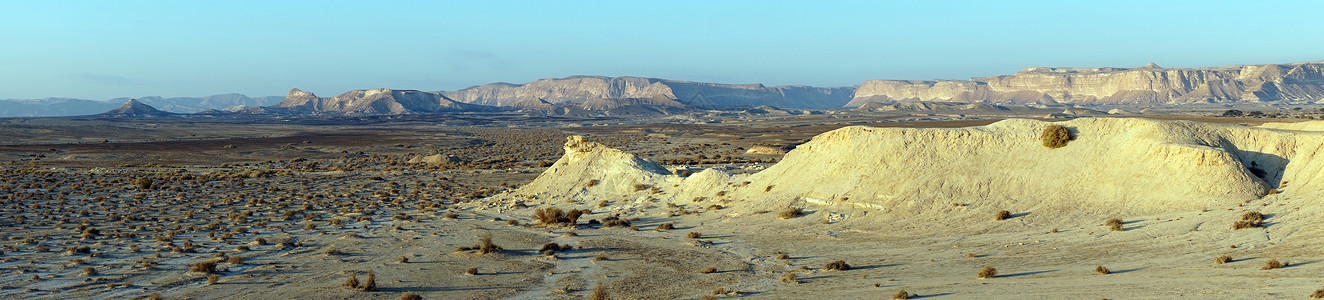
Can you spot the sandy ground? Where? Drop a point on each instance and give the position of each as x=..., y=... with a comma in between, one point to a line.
x=404, y=223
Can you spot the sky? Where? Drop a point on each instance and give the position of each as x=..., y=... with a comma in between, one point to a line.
x=106, y=49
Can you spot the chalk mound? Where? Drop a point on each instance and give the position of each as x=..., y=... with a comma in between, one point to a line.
x=1114, y=166
x=1131, y=165
x=590, y=170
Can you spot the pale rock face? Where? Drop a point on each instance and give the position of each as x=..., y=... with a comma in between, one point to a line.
x=1114, y=167
x=579, y=89
x=1146, y=85
x=373, y=102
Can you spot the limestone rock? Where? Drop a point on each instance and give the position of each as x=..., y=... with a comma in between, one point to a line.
x=1150, y=84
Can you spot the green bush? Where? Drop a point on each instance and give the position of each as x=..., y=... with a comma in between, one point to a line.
x=1055, y=136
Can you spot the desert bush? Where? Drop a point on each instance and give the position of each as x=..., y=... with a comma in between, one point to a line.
x=486, y=246
x=371, y=283
x=987, y=272
x=694, y=235
x=666, y=226
x=1273, y=264
x=599, y=293
x=403, y=259
x=1317, y=295
x=790, y=213
x=213, y=279
x=89, y=271
x=902, y=295
x=1250, y=219
x=1100, y=270
x=836, y=266
x=1002, y=215
x=614, y=221
x=471, y=271
x=1055, y=136
x=640, y=187
x=591, y=183
x=783, y=256
x=708, y=270
x=353, y=281
x=235, y=260
x=790, y=277
x=144, y=183
x=206, y=267
x=1223, y=259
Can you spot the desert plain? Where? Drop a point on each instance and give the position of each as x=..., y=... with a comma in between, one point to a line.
x=835, y=204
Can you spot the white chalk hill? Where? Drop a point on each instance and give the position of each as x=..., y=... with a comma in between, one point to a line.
x=1120, y=166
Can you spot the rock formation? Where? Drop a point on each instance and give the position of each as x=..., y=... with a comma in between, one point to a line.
x=374, y=102
x=135, y=109
x=1114, y=166
x=1146, y=85
x=578, y=89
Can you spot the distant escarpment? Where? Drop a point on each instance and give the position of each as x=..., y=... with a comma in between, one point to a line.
x=1150, y=84
x=580, y=89
x=374, y=102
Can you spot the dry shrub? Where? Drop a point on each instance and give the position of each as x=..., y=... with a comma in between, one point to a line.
x=1317, y=295
x=790, y=277
x=1223, y=259
x=1055, y=136
x=89, y=271
x=783, y=256
x=1250, y=219
x=1273, y=264
x=790, y=213
x=666, y=226
x=902, y=295
x=353, y=281
x=471, y=271
x=486, y=246
x=694, y=235
x=235, y=260
x=1002, y=215
x=640, y=187
x=591, y=183
x=371, y=283
x=206, y=267
x=708, y=270
x=839, y=265
x=599, y=293
x=987, y=272
x=556, y=216
x=1100, y=270
x=554, y=247
x=615, y=221
x=213, y=279
x=410, y=296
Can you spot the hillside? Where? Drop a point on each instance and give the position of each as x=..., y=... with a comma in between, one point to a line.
x=374, y=102
x=576, y=89
x=1295, y=83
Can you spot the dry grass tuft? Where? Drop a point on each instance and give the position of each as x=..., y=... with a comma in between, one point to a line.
x=790, y=213
x=987, y=272
x=666, y=226
x=1222, y=259
x=902, y=295
x=213, y=279
x=1250, y=219
x=353, y=281
x=694, y=235
x=1055, y=136
x=1100, y=270
x=1002, y=215
x=839, y=265
x=486, y=246
x=1273, y=264
x=206, y=267
x=371, y=283
x=599, y=293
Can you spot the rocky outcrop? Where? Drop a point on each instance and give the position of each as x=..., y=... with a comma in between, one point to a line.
x=135, y=109
x=374, y=102
x=579, y=89
x=1145, y=85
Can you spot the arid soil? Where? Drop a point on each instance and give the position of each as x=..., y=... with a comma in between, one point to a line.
x=207, y=210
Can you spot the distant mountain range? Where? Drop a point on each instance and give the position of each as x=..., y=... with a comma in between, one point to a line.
x=78, y=107
x=1297, y=83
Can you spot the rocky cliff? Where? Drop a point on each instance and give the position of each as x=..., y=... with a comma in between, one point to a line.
x=1150, y=84
x=578, y=89
x=374, y=102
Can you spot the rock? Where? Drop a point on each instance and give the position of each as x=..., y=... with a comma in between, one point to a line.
x=1146, y=85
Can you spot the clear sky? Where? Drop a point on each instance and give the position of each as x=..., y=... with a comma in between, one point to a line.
x=106, y=49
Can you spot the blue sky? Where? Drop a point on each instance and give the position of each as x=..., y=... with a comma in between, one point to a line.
x=106, y=49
